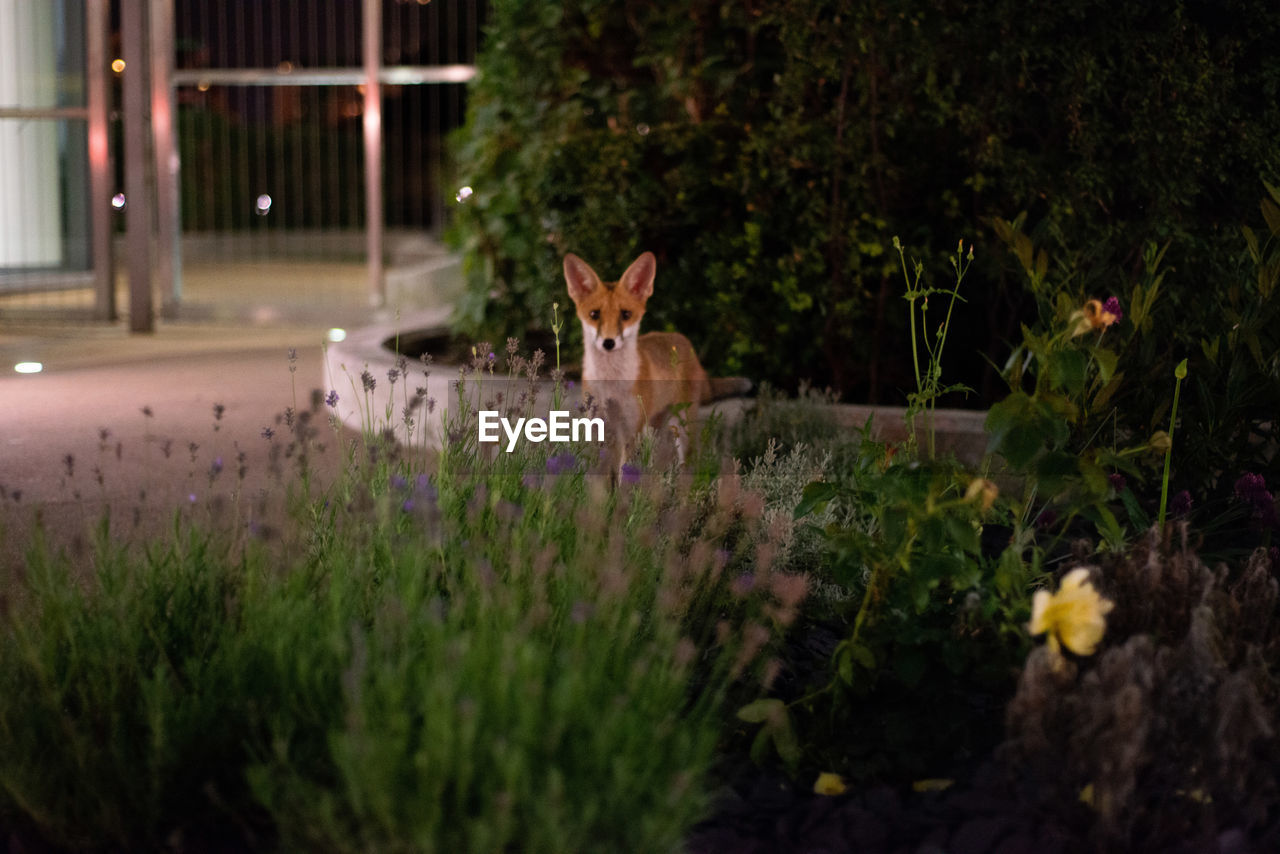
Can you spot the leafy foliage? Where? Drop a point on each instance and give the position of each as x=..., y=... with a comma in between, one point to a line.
x=766, y=153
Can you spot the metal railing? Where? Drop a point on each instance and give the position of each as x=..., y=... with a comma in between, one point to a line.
x=276, y=123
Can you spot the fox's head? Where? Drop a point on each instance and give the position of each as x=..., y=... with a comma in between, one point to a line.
x=610, y=311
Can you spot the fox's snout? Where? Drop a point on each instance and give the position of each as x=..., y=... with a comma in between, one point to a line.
x=608, y=334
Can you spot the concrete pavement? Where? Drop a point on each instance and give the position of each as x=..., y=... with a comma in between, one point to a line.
x=128, y=422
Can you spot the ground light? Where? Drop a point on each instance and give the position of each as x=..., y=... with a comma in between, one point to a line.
x=336, y=335
x=28, y=367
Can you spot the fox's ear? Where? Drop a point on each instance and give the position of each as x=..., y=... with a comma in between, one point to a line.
x=638, y=280
x=582, y=280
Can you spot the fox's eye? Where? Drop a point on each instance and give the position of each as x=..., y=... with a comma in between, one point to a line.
x=626, y=315
x=595, y=314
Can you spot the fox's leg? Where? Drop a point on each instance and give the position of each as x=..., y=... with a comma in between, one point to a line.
x=622, y=434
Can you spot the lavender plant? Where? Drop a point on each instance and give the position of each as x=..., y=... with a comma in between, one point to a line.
x=468, y=653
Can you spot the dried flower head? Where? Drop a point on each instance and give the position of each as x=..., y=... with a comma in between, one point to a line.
x=982, y=492
x=1095, y=315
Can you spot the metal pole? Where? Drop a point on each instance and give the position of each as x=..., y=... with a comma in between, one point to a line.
x=168, y=216
x=97, y=100
x=372, y=24
x=133, y=38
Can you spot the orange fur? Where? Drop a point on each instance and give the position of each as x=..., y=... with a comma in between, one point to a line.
x=647, y=375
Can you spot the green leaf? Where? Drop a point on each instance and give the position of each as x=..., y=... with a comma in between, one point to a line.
x=760, y=746
x=762, y=711
x=1106, y=363
x=1067, y=371
x=1015, y=428
x=1273, y=190
x=1271, y=213
x=1108, y=527
x=815, y=495
x=1104, y=394
x=861, y=654
x=844, y=665
x=1137, y=515
x=784, y=739
x=1251, y=240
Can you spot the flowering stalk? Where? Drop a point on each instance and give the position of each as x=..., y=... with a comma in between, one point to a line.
x=1179, y=374
x=928, y=390
x=556, y=325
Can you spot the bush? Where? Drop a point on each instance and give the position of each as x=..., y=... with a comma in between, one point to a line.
x=768, y=152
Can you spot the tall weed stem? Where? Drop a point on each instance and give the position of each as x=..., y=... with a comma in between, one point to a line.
x=1179, y=374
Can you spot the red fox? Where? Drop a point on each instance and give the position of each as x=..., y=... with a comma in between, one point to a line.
x=649, y=376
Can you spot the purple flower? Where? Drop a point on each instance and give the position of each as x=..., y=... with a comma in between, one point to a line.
x=367, y=380
x=331, y=399
x=743, y=584
x=1252, y=489
x=561, y=463
x=267, y=432
x=630, y=474
x=407, y=506
x=1112, y=307
x=1117, y=481
x=398, y=482
x=1180, y=505
x=423, y=488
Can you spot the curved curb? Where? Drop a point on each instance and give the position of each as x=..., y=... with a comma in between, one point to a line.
x=384, y=406
x=961, y=431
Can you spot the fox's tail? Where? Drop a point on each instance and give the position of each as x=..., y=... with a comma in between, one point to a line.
x=720, y=387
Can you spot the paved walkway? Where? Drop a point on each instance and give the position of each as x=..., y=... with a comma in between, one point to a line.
x=85, y=416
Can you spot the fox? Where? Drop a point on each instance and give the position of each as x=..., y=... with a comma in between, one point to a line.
x=640, y=379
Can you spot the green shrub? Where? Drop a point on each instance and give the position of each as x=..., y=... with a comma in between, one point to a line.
x=767, y=154
x=1100, y=386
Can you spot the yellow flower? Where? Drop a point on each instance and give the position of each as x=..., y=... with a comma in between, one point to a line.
x=829, y=784
x=983, y=492
x=1074, y=617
